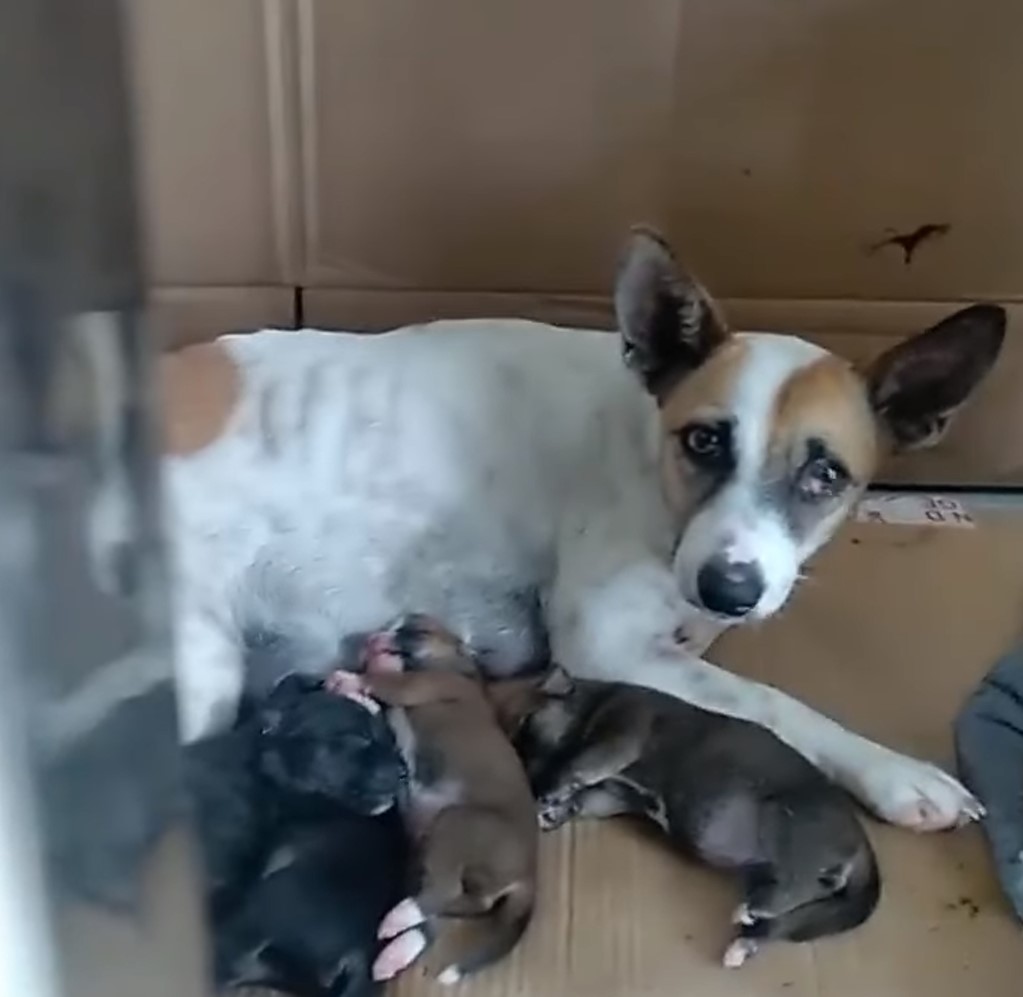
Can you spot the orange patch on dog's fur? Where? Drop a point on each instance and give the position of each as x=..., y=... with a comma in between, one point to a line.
x=826, y=399
x=199, y=388
x=707, y=387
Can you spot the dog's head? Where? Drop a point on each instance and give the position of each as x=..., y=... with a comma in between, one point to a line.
x=768, y=440
x=327, y=751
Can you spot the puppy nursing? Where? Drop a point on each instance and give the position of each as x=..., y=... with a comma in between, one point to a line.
x=303, y=849
x=470, y=809
x=723, y=790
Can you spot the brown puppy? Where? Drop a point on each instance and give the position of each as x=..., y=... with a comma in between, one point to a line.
x=723, y=790
x=470, y=808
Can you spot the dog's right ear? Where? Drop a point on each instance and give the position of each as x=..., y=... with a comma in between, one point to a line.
x=669, y=324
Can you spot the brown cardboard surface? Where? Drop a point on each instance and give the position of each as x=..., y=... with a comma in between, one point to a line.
x=775, y=142
x=498, y=155
x=892, y=628
x=178, y=316
x=212, y=140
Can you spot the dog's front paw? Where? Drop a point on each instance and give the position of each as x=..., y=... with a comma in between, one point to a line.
x=351, y=686
x=911, y=793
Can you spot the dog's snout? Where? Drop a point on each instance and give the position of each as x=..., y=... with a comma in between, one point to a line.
x=731, y=588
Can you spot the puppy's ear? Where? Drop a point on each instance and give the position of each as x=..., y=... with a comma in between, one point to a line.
x=836, y=878
x=558, y=683
x=729, y=834
x=669, y=324
x=917, y=387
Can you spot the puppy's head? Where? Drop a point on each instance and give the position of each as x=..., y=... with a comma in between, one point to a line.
x=538, y=714
x=327, y=750
x=768, y=440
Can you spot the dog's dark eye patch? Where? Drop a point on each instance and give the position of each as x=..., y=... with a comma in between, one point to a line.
x=709, y=445
x=822, y=475
x=804, y=483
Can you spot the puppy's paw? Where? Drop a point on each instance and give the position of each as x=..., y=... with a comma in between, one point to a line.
x=744, y=915
x=910, y=793
x=553, y=811
x=398, y=954
x=351, y=686
x=401, y=917
x=739, y=953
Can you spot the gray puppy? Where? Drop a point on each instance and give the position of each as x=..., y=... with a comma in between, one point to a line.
x=724, y=791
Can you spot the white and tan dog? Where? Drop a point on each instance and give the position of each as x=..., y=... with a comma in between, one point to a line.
x=524, y=484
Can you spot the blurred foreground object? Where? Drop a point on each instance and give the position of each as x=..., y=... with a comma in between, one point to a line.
x=989, y=750
x=97, y=889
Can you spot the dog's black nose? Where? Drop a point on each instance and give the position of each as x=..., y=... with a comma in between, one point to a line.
x=731, y=588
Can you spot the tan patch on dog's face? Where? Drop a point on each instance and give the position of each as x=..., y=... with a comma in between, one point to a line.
x=707, y=389
x=199, y=388
x=827, y=401
x=703, y=394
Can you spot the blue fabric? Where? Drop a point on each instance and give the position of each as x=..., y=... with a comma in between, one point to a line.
x=989, y=746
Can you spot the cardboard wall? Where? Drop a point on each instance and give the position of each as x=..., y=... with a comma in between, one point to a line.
x=403, y=160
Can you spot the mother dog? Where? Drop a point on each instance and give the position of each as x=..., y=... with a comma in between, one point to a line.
x=625, y=498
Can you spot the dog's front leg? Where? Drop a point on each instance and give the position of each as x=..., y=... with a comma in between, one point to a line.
x=623, y=626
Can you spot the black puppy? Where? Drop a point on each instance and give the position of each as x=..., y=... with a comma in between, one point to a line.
x=318, y=752
x=303, y=857
x=230, y=813
x=308, y=925
x=723, y=790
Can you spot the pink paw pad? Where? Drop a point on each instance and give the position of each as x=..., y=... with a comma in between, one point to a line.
x=351, y=686
x=401, y=917
x=399, y=954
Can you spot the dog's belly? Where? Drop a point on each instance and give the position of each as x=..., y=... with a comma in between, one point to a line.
x=363, y=477
x=311, y=615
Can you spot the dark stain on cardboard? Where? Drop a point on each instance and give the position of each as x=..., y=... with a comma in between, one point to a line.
x=910, y=242
x=966, y=904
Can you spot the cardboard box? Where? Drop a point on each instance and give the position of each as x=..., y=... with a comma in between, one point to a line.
x=893, y=627
x=359, y=164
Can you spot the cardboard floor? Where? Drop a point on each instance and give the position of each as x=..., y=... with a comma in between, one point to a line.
x=892, y=628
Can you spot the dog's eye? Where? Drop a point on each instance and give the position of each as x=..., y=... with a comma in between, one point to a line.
x=822, y=478
x=707, y=444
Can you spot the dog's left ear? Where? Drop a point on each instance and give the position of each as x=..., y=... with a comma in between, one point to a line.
x=668, y=323
x=917, y=387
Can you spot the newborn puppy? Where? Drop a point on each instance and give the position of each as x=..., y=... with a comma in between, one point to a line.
x=318, y=751
x=470, y=809
x=723, y=790
x=303, y=846
x=308, y=925
x=300, y=753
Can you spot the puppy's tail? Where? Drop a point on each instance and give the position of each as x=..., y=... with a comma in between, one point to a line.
x=501, y=928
